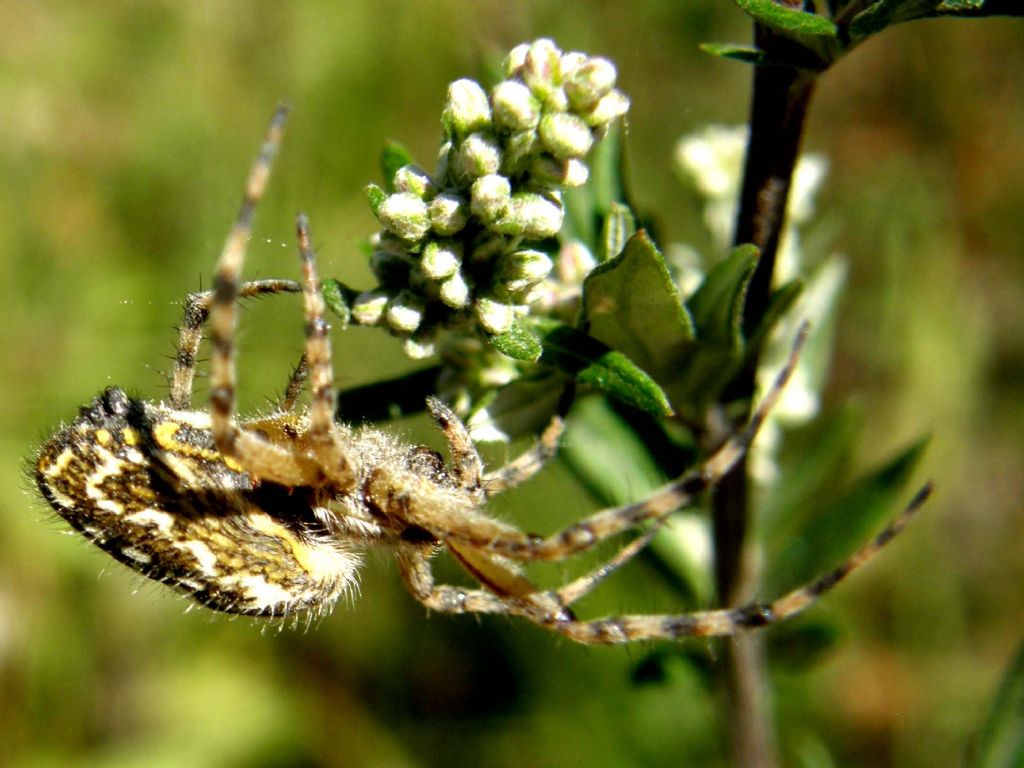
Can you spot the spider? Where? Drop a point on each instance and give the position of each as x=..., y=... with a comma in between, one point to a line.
x=268, y=516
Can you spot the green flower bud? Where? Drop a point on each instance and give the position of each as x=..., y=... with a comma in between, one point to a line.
x=589, y=83
x=405, y=215
x=448, y=214
x=466, y=109
x=565, y=135
x=405, y=312
x=494, y=316
x=414, y=180
x=515, y=108
x=478, y=156
x=491, y=198
x=454, y=291
x=368, y=307
x=441, y=259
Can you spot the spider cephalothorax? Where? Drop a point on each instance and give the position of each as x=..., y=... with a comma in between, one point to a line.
x=268, y=516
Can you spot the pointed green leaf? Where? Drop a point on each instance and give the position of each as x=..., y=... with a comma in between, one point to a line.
x=1002, y=739
x=376, y=197
x=839, y=528
x=339, y=298
x=717, y=305
x=885, y=13
x=744, y=53
x=595, y=364
x=518, y=343
x=619, y=226
x=631, y=304
x=392, y=157
x=788, y=20
x=781, y=301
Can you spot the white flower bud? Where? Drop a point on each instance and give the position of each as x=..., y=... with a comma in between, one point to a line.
x=565, y=173
x=565, y=135
x=418, y=348
x=368, y=307
x=414, y=180
x=589, y=83
x=541, y=73
x=515, y=60
x=541, y=65
x=491, y=198
x=448, y=214
x=569, y=63
x=536, y=216
x=405, y=215
x=478, y=156
x=515, y=108
x=441, y=259
x=521, y=270
x=405, y=312
x=466, y=109
x=494, y=316
x=611, y=107
x=454, y=291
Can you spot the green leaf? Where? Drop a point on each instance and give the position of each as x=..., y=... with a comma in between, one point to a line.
x=717, y=305
x=619, y=226
x=717, y=311
x=1001, y=744
x=339, y=298
x=389, y=399
x=392, y=157
x=518, y=343
x=376, y=196
x=788, y=20
x=744, y=53
x=781, y=301
x=885, y=13
x=595, y=364
x=837, y=529
x=631, y=304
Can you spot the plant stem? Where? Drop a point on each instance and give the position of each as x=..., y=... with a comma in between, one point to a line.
x=779, y=103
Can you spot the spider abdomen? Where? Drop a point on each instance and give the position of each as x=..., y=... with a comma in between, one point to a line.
x=145, y=483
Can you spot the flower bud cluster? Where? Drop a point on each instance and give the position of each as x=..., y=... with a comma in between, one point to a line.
x=461, y=248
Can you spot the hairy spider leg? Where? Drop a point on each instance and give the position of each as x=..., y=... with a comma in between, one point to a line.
x=483, y=533
x=190, y=334
x=322, y=436
x=257, y=455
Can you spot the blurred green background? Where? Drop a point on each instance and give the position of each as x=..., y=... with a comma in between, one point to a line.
x=124, y=139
